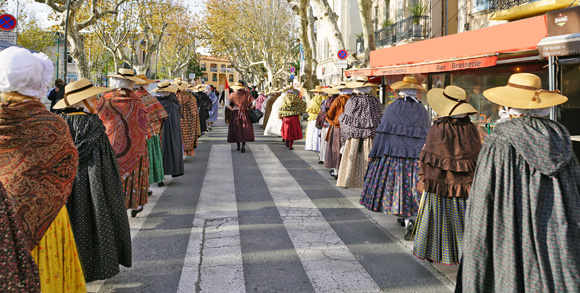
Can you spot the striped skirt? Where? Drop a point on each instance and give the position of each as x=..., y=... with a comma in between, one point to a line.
x=332, y=159
x=391, y=186
x=354, y=162
x=323, y=144
x=439, y=229
x=155, y=159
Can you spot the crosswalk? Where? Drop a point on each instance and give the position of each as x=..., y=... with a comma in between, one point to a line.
x=263, y=221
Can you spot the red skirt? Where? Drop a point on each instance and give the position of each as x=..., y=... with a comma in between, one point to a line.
x=291, y=128
x=240, y=128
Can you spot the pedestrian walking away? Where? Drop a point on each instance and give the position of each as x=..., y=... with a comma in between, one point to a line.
x=240, y=129
x=292, y=107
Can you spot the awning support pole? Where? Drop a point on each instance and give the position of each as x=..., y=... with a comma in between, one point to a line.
x=552, y=81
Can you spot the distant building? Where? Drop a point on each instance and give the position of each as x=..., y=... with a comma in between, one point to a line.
x=216, y=70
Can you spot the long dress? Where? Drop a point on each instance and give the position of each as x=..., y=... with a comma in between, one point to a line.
x=522, y=222
x=447, y=165
x=126, y=121
x=171, y=145
x=189, y=117
x=325, y=127
x=157, y=116
x=290, y=110
x=312, y=142
x=393, y=173
x=213, y=113
x=240, y=128
x=18, y=271
x=268, y=112
x=274, y=127
x=361, y=116
x=96, y=205
x=332, y=159
x=202, y=100
x=39, y=160
x=263, y=109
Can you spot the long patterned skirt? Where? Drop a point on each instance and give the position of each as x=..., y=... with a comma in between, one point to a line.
x=56, y=255
x=332, y=159
x=155, y=159
x=291, y=128
x=439, y=229
x=323, y=144
x=136, y=185
x=312, y=137
x=354, y=162
x=391, y=186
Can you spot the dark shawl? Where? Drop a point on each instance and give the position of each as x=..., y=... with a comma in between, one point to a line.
x=96, y=206
x=269, y=104
x=522, y=224
x=361, y=116
x=449, y=157
x=402, y=131
x=203, y=113
x=171, y=144
x=38, y=164
x=18, y=270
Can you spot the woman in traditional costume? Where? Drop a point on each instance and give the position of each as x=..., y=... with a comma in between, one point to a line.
x=263, y=105
x=447, y=164
x=157, y=116
x=125, y=118
x=324, y=107
x=274, y=127
x=203, y=104
x=240, y=129
x=312, y=142
x=97, y=203
x=292, y=107
x=171, y=138
x=361, y=116
x=38, y=164
x=522, y=224
x=393, y=173
x=189, y=117
x=332, y=159
x=275, y=95
x=213, y=112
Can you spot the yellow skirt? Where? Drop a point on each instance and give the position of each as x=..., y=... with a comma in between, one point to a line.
x=58, y=262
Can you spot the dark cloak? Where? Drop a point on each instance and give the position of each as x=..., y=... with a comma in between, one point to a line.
x=96, y=205
x=203, y=112
x=171, y=143
x=522, y=225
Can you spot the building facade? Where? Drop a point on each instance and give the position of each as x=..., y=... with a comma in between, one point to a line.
x=215, y=71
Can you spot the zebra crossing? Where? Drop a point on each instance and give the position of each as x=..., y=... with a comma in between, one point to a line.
x=263, y=221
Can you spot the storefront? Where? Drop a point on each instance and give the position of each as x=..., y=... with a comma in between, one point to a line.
x=562, y=47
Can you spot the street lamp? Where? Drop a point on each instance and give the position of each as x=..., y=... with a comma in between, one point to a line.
x=58, y=36
x=65, y=57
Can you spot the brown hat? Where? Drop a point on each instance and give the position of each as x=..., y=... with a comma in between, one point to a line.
x=524, y=91
x=449, y=101
x=125, y=73
x=145, y=79
x=78, y=91
x=408, y=82
x=166, y=86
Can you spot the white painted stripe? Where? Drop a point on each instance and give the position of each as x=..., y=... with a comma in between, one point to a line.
x=213, y=261
x=327, y=261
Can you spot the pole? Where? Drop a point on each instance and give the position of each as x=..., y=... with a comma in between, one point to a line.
x=65, y=57
x=57, y=53
x=552, y=81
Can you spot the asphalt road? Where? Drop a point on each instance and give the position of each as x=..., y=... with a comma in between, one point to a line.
x=268, y=220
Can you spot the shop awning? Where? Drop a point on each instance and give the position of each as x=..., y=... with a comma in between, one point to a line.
x=468, y=50
x=563, y=45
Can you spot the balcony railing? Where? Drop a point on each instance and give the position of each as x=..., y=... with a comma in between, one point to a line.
x=213, y=69
x=411, y=28
x=498, y=5
x=230, y=70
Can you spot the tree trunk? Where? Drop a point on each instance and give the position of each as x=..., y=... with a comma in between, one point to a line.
x=312, y=37
x=364, y=7
x=310, y=80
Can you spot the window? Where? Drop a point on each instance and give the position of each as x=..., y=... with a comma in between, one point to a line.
x=387, y=9
x=204, y=77
x=223, y=68
x=70, y=59
x=213, y=67
x=231, y=79
x=479, y=5
x=202, y=65
x=214, y=77
x=400, y=10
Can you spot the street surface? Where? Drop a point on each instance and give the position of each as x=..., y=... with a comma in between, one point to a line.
x=268, y=220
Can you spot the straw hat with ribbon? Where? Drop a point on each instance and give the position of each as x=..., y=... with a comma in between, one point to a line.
x=79, y=91
x=408, y=82
x=166, y=86
x=524, y=91
x=181, y=85
x=340, y=86
x=449, y=101
x=125, y=73
x=237, y=86
x=317, y=89
x=360, y=81
x=145, y=79
x=330, y=91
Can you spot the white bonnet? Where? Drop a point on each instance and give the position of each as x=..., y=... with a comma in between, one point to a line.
x=23, y=72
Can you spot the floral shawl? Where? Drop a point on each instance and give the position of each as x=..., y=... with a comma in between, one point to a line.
x=155, y=111
x=292, y=105
x=38, y=164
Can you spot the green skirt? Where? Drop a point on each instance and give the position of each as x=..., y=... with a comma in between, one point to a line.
x=155, y=159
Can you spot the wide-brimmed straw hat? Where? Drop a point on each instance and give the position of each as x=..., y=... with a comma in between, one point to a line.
x=79, y=91
x=237, y=86
x=524, y=91
x=330, y=91
x=166, y=86
x=360, y=81
x=317, y=89
x=340, y=86
x=181, y=85
x=408, y=82
x=125, y=73
x=145, y=79
x=449, y=101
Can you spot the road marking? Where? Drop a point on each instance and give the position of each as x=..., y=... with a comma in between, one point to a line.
x=327, y=261
x=213, y=261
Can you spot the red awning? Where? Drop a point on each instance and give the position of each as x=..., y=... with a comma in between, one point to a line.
x=467, y=50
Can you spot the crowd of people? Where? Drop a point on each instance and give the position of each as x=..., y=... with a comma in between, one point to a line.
x=506, y=210
x=68, y=178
